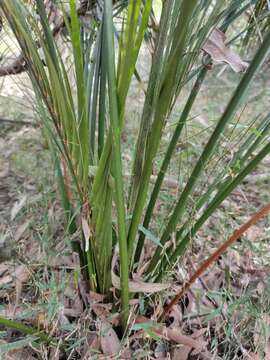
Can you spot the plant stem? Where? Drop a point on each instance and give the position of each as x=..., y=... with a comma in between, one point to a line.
x=26, y=329
x=117, y=163
x=163, y=106
x=223, y=194
x=210, y=146
x=173, y=142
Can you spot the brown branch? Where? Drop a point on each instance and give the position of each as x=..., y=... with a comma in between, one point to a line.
x=19, y=65
x=212, y=258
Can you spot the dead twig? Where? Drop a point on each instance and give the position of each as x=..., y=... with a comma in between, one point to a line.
x=19, y=64
x=212, y=258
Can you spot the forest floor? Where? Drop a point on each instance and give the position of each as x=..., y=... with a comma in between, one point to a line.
x=224, y=316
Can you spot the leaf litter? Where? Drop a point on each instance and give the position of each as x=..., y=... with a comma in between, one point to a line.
x=187, y=333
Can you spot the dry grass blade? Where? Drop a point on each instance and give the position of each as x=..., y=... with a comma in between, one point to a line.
x=236, y=235
x=86, y=233
x=17, y=207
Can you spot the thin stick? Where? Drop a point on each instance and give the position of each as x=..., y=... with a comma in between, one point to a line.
x=212, y=258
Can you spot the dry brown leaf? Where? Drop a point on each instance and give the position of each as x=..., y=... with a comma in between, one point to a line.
x=20, y=230
x=176, y=336
x=95, y=297
x=91, y=346
x=72, y=313
x=214, y=279
x=73, y=305
x=181, y=353
x=199, y=333
x=21, y=275
x=140, y=286
x=5, y=280
x=102, y=311
x=61, y=261
x=126, y=354
x=83, y=289
x=109, y=341
x=219, y=52
x=74, y=308
x=137, y=286
x=18, y=354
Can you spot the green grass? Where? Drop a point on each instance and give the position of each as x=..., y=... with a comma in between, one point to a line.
x=244, y=305
x=211, y=147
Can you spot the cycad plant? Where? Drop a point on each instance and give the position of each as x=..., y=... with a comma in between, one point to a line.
x=83, y=113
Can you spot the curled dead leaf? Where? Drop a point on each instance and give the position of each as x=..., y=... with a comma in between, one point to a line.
x=176, y=336
x=219, y=52
x=110, y=344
